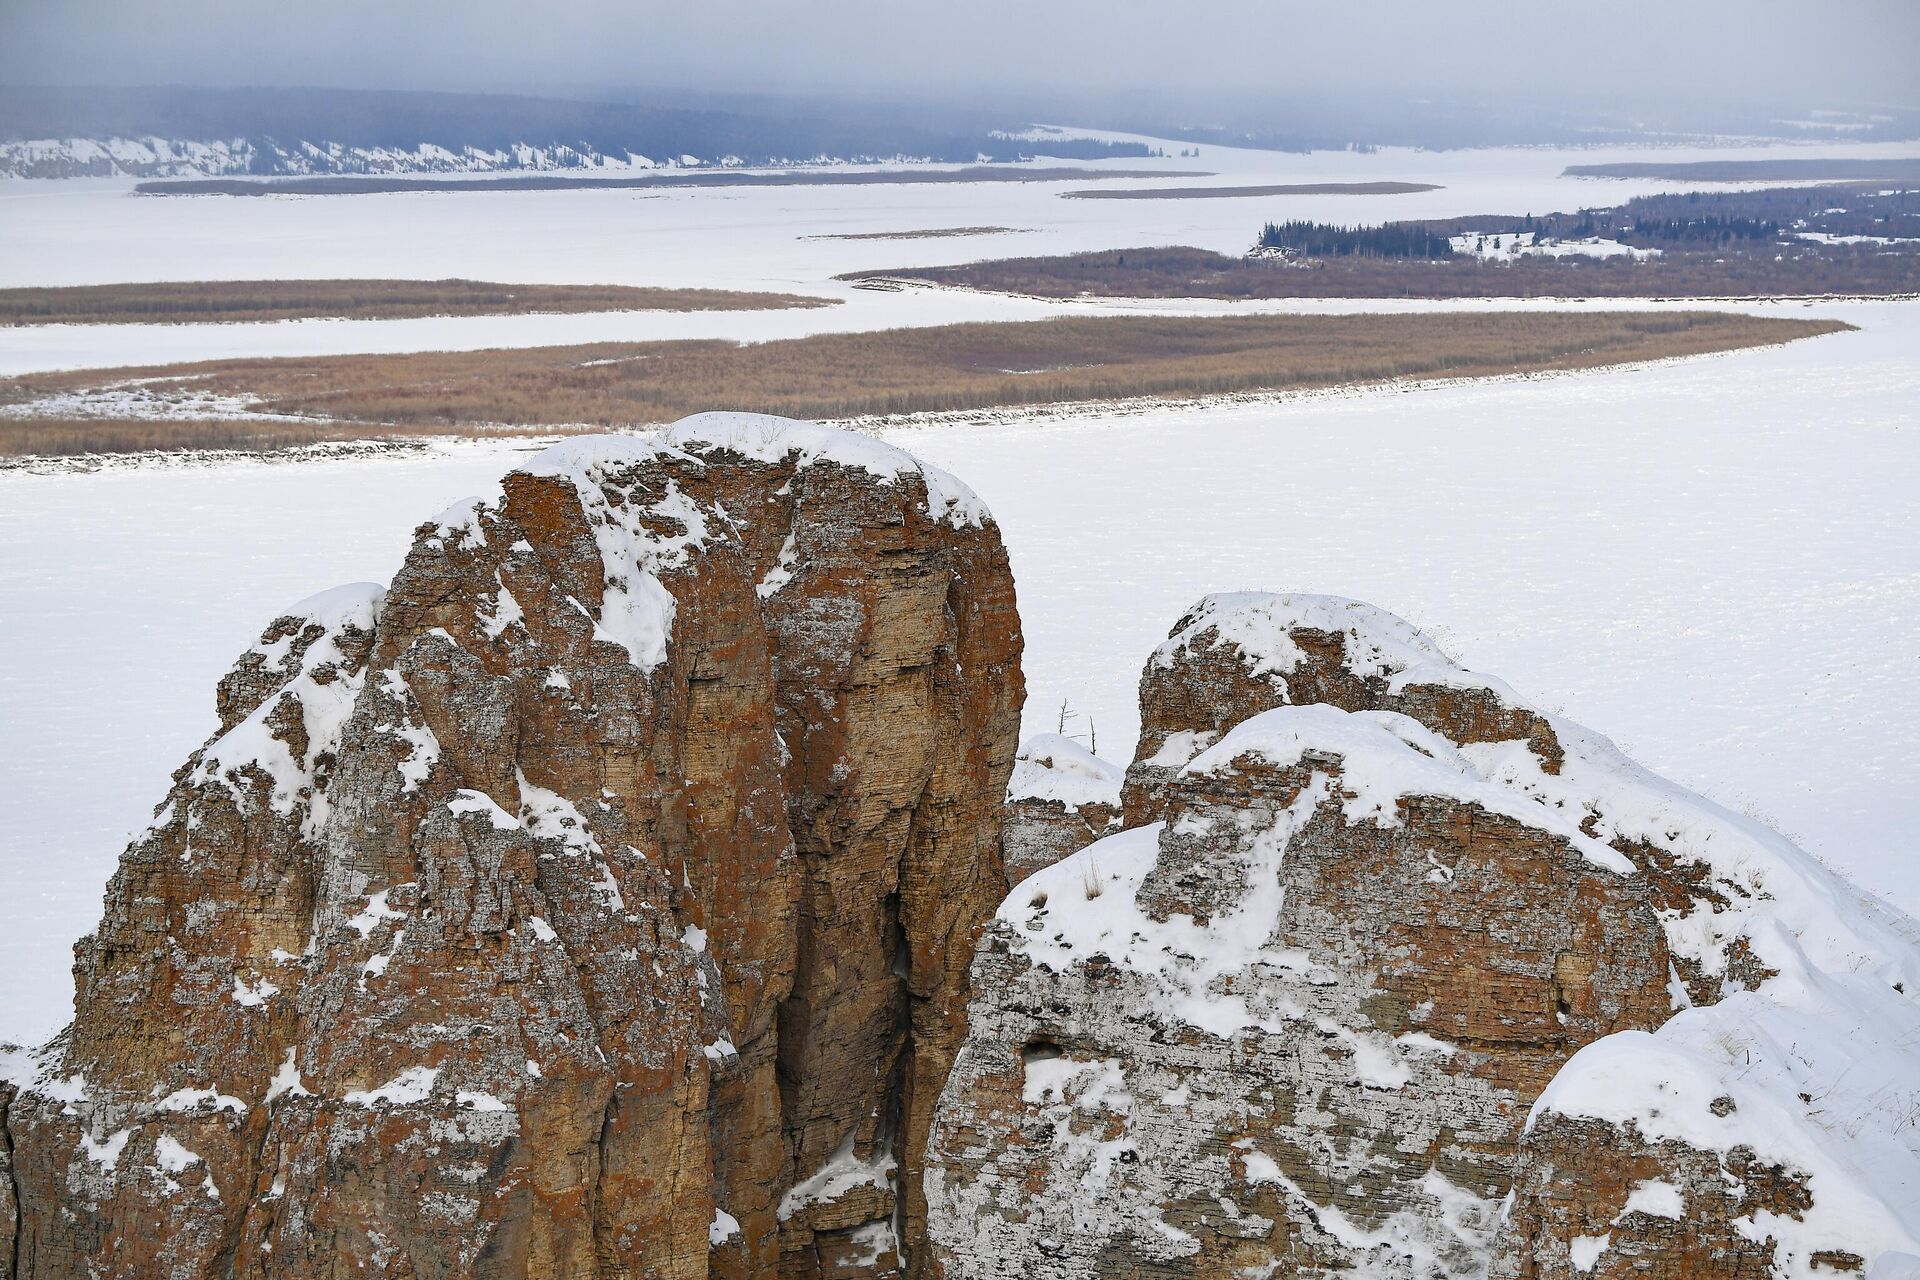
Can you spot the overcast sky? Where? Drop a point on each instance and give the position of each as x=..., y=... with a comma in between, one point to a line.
x=1852, y=50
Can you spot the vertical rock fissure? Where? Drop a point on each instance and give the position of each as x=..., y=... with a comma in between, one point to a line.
x=259, y=1119
x=604, y=1251
x=16, y=1221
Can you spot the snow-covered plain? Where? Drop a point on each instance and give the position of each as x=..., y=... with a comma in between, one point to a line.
x=1717, y=560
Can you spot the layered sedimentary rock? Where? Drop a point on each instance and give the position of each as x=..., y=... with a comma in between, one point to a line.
x=1317, y=1012
x=595, y=900
x=1237, y=654
x=1060, y=799
x=1768, y=1135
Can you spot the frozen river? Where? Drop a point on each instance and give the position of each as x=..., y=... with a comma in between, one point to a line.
x=98, y=232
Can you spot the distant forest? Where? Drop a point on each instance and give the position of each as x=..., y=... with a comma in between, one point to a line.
x=1684, y=221
x=278, y=120
x=1324, y=240
x=1836, y=240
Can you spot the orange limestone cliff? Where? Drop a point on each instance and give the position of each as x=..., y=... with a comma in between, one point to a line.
x=597, y=899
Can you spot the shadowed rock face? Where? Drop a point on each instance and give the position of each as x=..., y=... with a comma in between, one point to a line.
x=595, y=900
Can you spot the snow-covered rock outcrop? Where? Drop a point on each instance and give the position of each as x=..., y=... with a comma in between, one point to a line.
x=1060, y=799
x=1323, y=1007
x=595, y=900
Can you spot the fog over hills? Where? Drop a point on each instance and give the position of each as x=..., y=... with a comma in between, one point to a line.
x=980, y=53
x=592, y=82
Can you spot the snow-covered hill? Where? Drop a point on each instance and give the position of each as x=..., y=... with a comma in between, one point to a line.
x=153, y=157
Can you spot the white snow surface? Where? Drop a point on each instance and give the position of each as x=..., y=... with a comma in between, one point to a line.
x=1052, y=767
x=636, y=609
x=769, y=438
x=1260, y=625
x=1385, y=757
x=286, y=1080
x=1656, y=1198
x=195, y=1099
x=106, y=1152
x=841, y=1173
x=415, y=1084
x=1710, y=558
x=172, y=1156
x=1086, y=904
x=94, y=231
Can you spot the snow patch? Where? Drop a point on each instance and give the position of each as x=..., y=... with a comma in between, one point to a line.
x=321, y=691
x=1052, y=767
x=106, y=1153
x=253, y=996
x=377, y=912
x=842, y=1172
x=1385, y=757
x=286, y=1081
x=1584, y=1251
x=471, y=1100
x=173, y=1157
x=1656, y=1198
x=770, y=439
x=415, y=1084
x=467, y=800
x=196, y=1099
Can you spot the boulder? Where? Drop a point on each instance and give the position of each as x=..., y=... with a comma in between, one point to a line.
x=1060, y=799
x=1236, y=654
x=1768, y=1135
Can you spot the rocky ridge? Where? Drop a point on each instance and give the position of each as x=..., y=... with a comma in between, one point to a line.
x=1395, y=973
x=594, y=900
